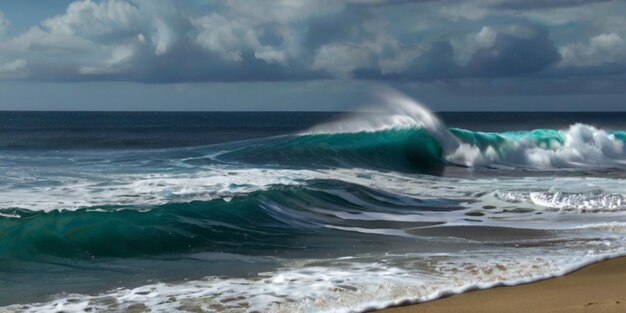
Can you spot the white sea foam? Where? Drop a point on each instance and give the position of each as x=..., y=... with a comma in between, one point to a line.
x=579, y=201
x=612, y=227
x=583, y=146
x=378, y=231
x=360, y=282
x=146, y=189
x=346, y=285
x=565, y=194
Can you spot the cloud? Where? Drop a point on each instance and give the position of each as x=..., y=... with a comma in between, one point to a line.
x=219, y=35
x=465, y=47
x=399, y=62
x=44, y=43
x=341, y=60
x=435, y=64
x=4, y=23
x=600, y=49
x=91, y=19
x=271, y=55
x=167, y=41
x=511, y=55
x=518, y=50
x=14, y=66
x=464, y=11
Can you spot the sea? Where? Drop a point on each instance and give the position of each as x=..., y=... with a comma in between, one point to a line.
x=300, y=211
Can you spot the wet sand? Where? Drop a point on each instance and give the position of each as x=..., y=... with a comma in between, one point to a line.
x=598, y=288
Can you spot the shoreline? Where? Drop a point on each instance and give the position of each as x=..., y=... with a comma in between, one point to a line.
x=599, y=287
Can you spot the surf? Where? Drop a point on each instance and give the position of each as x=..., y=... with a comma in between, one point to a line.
x=349, y=211
x=400, y=134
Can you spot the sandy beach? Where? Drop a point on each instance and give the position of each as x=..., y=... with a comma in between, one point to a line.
x=598, y=288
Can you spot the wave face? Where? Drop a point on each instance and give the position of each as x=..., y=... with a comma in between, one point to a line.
x=299, y=212
x=258, y=222
x=407, y=137
x=409, y=150
x=417, y=150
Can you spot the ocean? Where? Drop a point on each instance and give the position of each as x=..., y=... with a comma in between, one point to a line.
x=299, y=211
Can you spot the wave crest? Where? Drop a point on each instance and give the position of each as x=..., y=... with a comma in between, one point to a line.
x=580, y=146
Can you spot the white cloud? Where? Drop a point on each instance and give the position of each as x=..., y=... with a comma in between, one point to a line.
x=163, y=38
x=237, y=26
x=121, y=54
x=38, y=40
x=163, y=23
x=604, y=48
x=93, y=38
x=88, y=18
x=281, y=11
x=118, y=19
x=230, y=37
x=484, y=38
x=115, y=63
x=376, y=48
x=468, y=45
x=401, y=61
x=271, y=55
x=341, y=59
x=219, y=35
x=134, y=38
x=14, y=66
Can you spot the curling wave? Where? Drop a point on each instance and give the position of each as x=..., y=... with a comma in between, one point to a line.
x=263, y=220
x=417, y=150
x=407, y=137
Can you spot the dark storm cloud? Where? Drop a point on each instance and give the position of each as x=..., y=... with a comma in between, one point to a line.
x=202, y=66
x=437, y=63
x=513, y=56
x=210, y=67
x=339, y=27
x=508, y=56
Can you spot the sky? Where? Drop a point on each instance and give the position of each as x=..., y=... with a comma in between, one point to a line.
x=277, y=55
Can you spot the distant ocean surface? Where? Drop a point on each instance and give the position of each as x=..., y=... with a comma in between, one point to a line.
x=299, y=212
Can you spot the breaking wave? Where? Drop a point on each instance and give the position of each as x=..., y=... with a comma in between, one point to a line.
x=407, y=137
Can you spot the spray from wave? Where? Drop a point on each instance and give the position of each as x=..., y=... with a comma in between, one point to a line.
x=395, y=111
